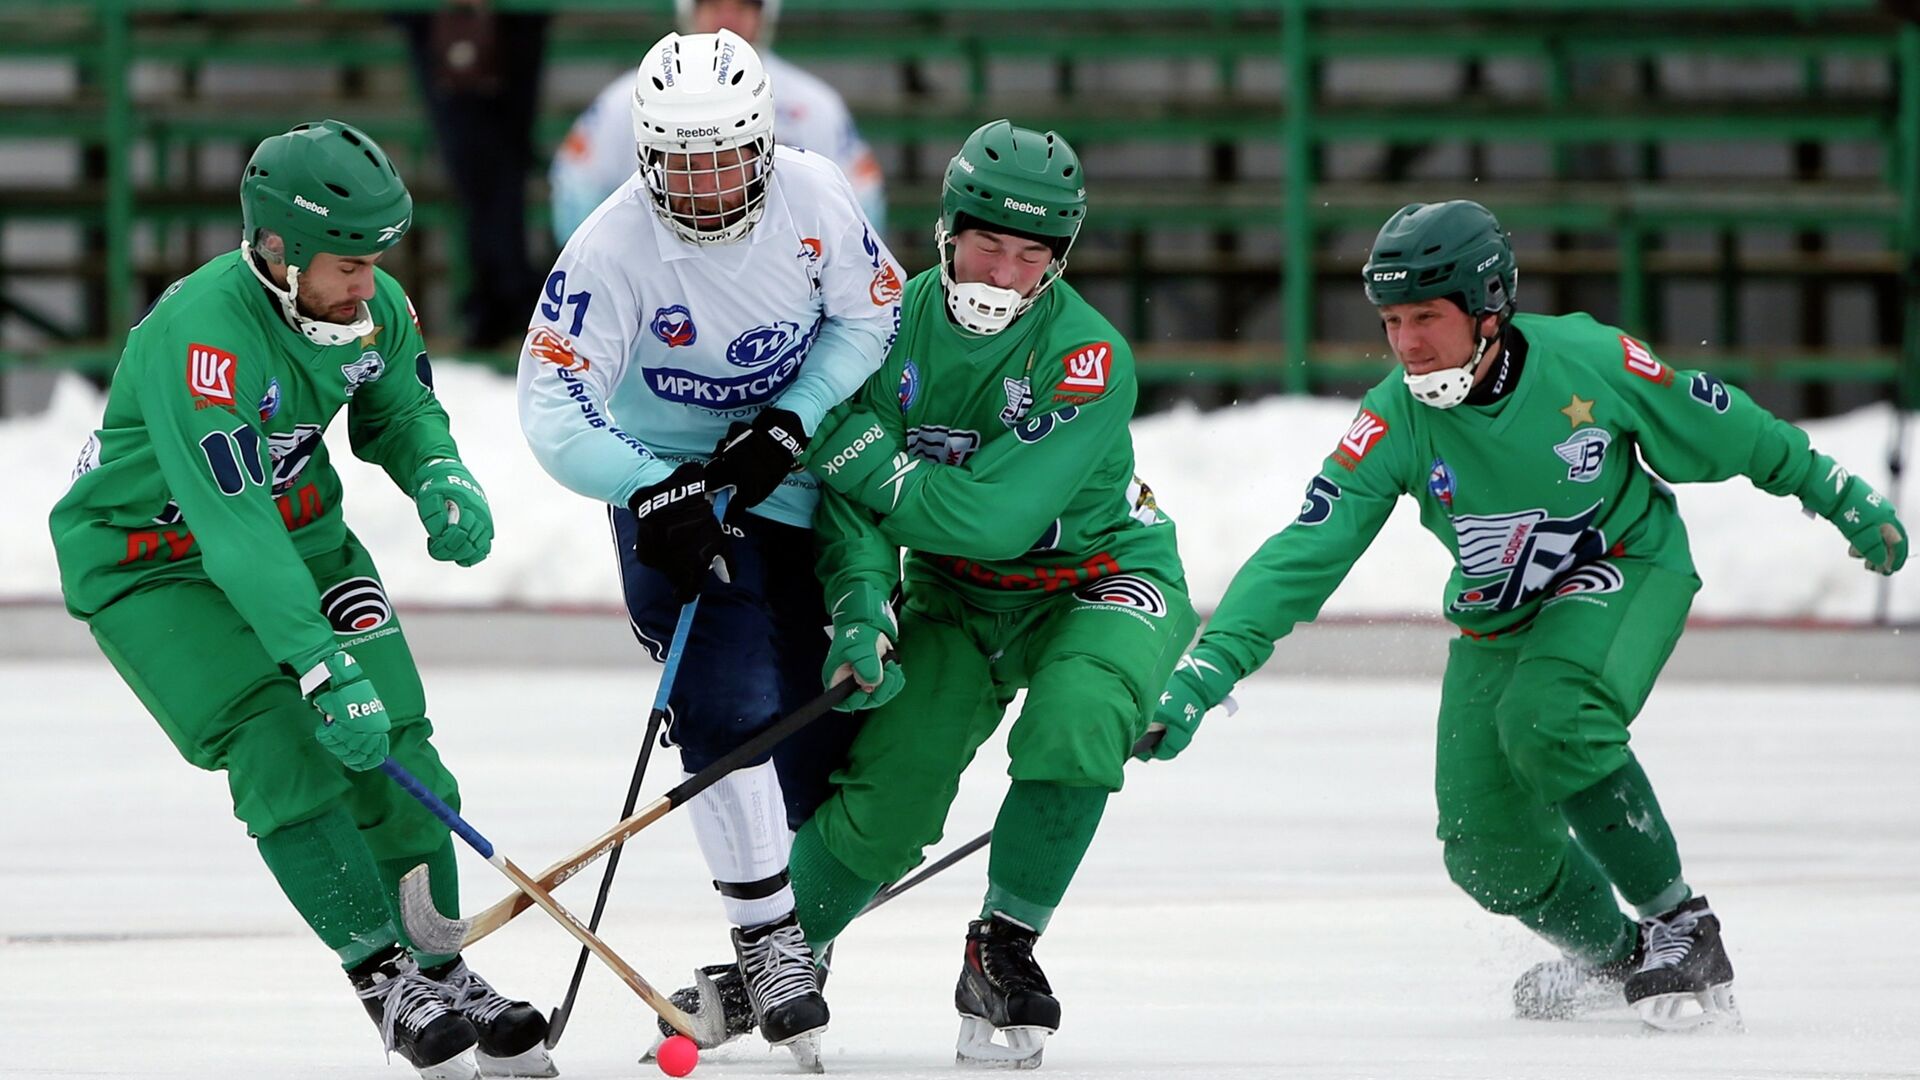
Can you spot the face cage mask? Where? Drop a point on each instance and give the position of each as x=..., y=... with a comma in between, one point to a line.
x=320, y=333
x=986, y=309
x=1448, y=387
x=756, y=169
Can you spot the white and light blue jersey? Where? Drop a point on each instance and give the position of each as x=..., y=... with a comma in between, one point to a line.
x=644, y=348
x=598, y=153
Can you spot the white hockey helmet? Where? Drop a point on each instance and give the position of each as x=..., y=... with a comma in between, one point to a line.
x=769, y=15
x=703, y=126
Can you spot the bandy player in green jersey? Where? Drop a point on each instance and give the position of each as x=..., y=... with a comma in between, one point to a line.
x=993, y=446
x=1521, y=437
x=202, y=541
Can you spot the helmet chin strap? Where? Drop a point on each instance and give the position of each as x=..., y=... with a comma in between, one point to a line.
x=314, y=330
x=979, y=307
x=1448, y=387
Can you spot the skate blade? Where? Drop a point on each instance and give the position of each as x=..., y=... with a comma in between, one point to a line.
x=1020, y=1050
x=1709, y=1010
x=460, y=1066
x=806, y=1051
x=1584, y=1004
x=531, y=1062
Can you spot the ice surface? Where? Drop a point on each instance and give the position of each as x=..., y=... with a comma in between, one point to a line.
x=1272, y=904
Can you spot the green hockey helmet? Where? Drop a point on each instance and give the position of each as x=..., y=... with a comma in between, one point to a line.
x=1451, y=250
x=1015, y=180
x=322, y=187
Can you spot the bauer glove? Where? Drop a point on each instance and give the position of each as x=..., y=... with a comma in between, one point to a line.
x=1198, y=684
x=454, y=510
x=1864, y=516
x=353, y=719
x=675, y=532
x=754, y=458
x=863, y=631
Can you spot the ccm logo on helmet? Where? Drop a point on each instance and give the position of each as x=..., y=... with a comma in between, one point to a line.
x=1491, y=259
x=695, y=133
x=305, y=203
x=1026, y=207
x=1389, y=275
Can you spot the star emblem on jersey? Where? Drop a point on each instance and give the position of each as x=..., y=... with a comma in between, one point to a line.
x=372, y=336
x=1578, y=411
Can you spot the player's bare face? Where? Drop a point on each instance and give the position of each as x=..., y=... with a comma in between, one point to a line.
x=1001, y=260
x=333, y=287
x=709, y=190
x=1431, y=335
x=740, y=16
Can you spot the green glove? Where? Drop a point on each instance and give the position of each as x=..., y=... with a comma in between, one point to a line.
x=863, y=629
x=454, y=510
x=1198, y=683
x=353, y=724
x=1864, y=516
x=853, y=454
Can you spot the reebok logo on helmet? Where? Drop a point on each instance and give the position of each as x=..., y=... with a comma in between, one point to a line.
x=1025, y=207
x=305, y=203
x=696, y=133
x=965, y=165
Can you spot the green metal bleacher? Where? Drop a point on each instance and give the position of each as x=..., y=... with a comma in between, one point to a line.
x=1266, y=244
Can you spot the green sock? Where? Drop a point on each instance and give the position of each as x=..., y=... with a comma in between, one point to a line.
x=1578, y=913
x=1041, y=834
x=1618, y=821
x=444, y=875
x=326, y=871
x=827, y=894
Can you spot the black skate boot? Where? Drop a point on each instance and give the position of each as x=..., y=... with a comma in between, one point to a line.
x=1002, y=989
x=1567, y=988
x=715, y=983
x=783, y=985
x=413, y=1018
x=512, y=1033
x=1685, y=980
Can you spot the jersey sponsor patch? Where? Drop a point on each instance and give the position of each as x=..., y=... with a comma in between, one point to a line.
x=674, y=326
x=210, y=374
x=1125, y=590
x=1019, y=401
x=550, y=348
x=1087, y=369
x=1641, y=361
x=885, y=287
x=1440, y=483
x=1595, y=577
x=356, y=605
x=942, y=445
x=1366, y=430
x=270, y=401
x=1521, y=553
x=1585, y=452
x=909, y=385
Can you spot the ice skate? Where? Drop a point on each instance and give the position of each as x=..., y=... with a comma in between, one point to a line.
x=413, y=1018
x=1568, y=988
x=512, y=1033
x=784, y=987
x=1003, y=991
x=1685, y=981
x=717, y=988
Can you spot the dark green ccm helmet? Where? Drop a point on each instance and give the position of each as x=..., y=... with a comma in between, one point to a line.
x=1451, y=250
x=327, y=188
x=1015, y=180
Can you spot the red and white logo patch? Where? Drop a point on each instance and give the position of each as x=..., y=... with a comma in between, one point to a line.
x=1088, y=368
x=210, y=373
x=1367, y=430
x=1643, y=363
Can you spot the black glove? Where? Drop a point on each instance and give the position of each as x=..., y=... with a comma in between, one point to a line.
x=676, y=533
x=753, y=458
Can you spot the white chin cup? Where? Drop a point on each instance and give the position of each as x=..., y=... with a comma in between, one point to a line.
x=1447, y=387
x=981, y=308
x=320, y=333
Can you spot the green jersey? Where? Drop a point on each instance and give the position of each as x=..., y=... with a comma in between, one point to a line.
x=1530, y=493
x=209, y=462
x=1019, y=477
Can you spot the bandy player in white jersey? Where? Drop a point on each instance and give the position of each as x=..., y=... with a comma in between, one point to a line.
x=692, y=335
x=597, y=155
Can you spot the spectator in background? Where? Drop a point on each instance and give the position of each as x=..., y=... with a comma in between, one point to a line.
x=479, y=72
x=598, y=154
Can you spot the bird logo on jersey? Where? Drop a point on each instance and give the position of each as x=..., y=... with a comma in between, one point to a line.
x=1585, y=452
x=674, y=325
x=1523, y=553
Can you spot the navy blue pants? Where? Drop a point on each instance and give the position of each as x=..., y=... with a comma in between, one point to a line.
x=753, y=654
